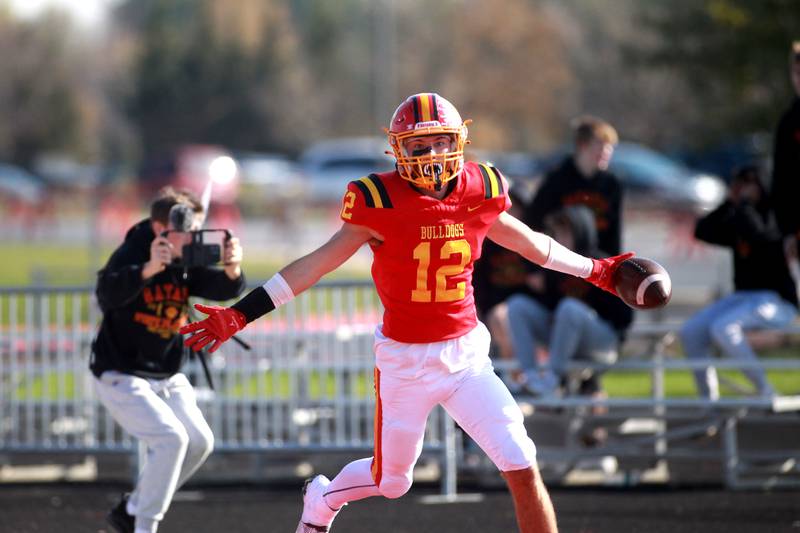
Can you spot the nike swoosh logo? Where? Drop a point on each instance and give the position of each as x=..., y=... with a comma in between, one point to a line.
x=473, y=208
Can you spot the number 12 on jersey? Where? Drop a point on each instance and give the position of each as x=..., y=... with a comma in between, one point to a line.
x=422, y=253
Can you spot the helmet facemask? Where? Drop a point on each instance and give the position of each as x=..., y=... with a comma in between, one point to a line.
x=424, y=115
x=423, y=167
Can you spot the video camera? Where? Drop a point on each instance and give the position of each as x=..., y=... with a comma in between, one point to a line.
x=199, y=251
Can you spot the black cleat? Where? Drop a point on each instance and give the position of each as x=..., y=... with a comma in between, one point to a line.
x=118, y=517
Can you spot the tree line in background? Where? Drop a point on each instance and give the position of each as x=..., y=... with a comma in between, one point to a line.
x=274, y=75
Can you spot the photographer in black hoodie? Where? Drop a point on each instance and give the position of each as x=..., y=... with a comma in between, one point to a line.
x=138, y=353
x=764, y=293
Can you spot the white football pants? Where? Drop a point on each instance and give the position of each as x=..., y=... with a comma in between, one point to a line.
x=411, y=379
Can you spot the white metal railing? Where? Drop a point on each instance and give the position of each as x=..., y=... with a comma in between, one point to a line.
x=306, y=384
x=674, y=422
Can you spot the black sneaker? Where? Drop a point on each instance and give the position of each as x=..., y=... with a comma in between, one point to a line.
x=118, y=517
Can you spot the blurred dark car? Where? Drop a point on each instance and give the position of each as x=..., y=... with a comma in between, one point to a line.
x=725, y=157
x=328, y=166
x=513, y=165
x=652, y=179
x=192, y=167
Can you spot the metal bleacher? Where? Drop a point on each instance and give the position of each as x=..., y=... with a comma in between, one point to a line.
x=306, y=387
x=743, y=441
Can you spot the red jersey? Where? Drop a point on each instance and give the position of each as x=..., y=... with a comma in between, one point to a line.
x=423, y=268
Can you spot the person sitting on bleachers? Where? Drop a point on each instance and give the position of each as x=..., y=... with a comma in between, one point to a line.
x=764, y=293
x=497, y=275
x=573, y=319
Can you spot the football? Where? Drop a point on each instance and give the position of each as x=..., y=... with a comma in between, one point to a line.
x=642, y=283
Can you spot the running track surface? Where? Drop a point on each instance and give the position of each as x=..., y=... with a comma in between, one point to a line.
x=275, y=508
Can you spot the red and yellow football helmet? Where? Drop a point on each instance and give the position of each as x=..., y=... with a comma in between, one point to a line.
x=427, y=114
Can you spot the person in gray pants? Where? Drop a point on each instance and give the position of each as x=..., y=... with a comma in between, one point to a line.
x=137, y=355
x=764, y=296
x=571, y=319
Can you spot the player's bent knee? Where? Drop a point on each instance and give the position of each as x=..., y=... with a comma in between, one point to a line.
x=518, y=451
x=394, y=486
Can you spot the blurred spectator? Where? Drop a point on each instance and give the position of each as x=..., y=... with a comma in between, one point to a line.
x=574, y=319
x=786, y=165
x=764, y=293
x=498, y=274
x=583, y=179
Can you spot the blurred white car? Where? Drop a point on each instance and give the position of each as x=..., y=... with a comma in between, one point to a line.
x=276, y=175
x=651, y=178
x=18, y=184
x=330, y=165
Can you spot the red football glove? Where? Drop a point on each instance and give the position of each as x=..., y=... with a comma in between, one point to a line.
x=222, y=323
x=603, y=271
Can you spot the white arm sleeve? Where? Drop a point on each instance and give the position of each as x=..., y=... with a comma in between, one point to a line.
x=564, y=260
x=279, y=291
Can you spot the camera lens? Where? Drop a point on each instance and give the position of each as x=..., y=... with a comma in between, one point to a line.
x=181, y=217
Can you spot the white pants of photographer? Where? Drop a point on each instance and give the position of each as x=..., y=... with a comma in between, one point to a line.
x=164, y=416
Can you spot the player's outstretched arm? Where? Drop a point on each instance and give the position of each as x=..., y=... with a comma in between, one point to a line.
x=512, y=233
x=306, y=271
x=223, y=322
x=541, y=249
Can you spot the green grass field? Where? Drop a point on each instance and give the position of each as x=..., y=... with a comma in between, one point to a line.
x=63, y=266
x=55, y=265
x=268, y=384
x=48, y=264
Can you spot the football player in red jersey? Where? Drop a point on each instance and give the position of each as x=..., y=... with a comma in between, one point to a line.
x=425, y=223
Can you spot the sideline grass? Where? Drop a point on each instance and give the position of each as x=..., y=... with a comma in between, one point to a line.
x=680, y=384
x=321, y=384
x=57, y=265
x=44, y=263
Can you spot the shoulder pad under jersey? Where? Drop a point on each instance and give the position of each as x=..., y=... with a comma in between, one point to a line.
x=363, y=196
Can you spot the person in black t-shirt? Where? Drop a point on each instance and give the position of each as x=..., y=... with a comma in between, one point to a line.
x=786, y=162
x=583, y=179
x=138, y=352
x=764, y=293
